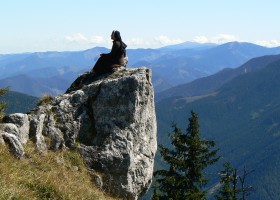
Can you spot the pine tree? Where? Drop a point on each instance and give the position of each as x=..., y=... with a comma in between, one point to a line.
x=233, y=185
x=185, y=178
x=3, y=105
x=228, y=180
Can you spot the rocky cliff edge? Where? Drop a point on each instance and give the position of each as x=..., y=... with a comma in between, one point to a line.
x=110, y=119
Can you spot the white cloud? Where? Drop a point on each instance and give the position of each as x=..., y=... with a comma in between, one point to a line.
x=81, y=38
x=137, y=42
x=223, y=38
x=201, y=39
x=155, y=42
x=218, y=39
x=98, y=40
x=266, y=43
x=165, y=40
x=78, y=37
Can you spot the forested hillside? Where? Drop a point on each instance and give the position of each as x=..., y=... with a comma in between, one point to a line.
x=18, y=102
x=243, y=118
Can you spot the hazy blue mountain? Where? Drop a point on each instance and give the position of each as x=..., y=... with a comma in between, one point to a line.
x=228, y=55
x=170, y=67
x=35, y=86
x=186, y=65
x=242, y=116
x=7, y=58
x=189, y=45
x=234, y=54
x=17, y=64
x=144, y=55
x=49, y=80
x=207, y=85
x=160, y=83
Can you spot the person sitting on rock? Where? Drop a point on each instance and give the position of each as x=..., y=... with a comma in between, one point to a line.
x=106, y=63
x=115, y=59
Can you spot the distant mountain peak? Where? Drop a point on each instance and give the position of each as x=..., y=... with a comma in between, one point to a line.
x=240, y=44
x=188, y=45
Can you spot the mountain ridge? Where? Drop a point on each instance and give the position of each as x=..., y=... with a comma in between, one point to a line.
x=170, y=68
x=35, y=86
x=206, y=85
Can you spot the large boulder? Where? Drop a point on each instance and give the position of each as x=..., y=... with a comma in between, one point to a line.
x=122, y=143
x=22, y=123
x=110, y=119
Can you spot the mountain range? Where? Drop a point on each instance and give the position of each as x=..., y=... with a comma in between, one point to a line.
x=207, y=85
x=171, y=65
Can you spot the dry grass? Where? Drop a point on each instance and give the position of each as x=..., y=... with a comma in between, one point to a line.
x=54, y=175
x=46, y=98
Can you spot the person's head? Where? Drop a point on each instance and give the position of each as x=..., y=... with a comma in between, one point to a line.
x=116, y=36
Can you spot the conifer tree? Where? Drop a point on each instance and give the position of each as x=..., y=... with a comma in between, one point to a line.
x=228, y=180
x=3, y=105
x=233, y=185
x=187, y=160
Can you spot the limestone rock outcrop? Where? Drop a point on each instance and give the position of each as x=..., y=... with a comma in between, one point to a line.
x=13, y=142
x=109, y=118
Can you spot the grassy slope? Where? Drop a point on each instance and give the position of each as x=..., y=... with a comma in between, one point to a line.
x=53, y=175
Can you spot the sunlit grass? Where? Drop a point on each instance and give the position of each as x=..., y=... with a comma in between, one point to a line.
x=52, y=175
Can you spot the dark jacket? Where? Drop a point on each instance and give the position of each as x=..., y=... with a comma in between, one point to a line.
x=106, y=62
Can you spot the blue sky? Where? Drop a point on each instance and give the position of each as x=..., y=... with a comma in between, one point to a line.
x=59, y=25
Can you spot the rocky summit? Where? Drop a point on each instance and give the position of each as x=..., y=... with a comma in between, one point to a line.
x=110, y=119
